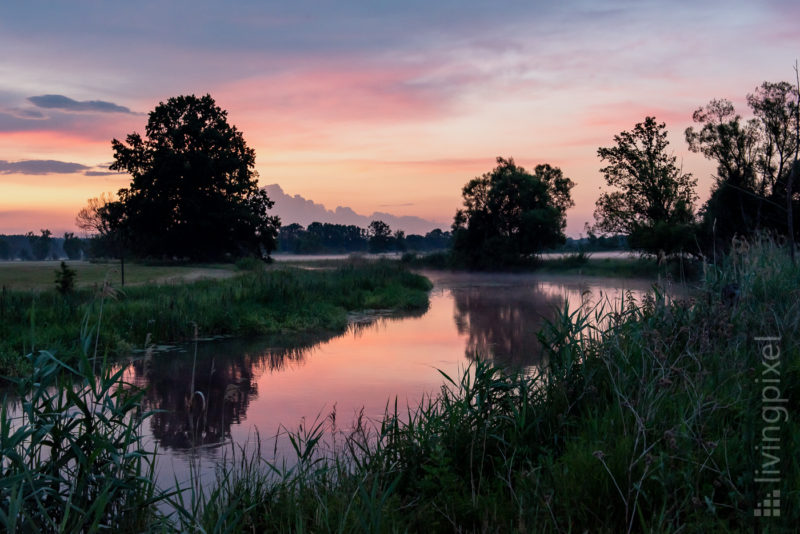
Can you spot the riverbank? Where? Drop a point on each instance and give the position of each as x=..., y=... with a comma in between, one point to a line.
x=262, y=301
x=618, y=264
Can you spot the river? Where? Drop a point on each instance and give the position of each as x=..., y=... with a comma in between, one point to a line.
x=268, y=385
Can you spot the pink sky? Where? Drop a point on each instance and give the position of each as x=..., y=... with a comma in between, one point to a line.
x=377, y=108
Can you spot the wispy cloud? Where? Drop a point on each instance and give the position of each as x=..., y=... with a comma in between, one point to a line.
x=103, y=173
x=64, y=103
x=41, y=166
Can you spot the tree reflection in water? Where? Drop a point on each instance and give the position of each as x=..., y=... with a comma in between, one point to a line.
x=502, y=322
x=226, y=374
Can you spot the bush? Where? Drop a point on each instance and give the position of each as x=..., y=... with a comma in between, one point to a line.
x=65, y=279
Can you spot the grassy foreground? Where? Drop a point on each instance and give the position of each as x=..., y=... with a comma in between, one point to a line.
x=264, y=301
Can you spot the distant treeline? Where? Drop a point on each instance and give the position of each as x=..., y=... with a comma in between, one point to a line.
x=318, y=238
x=42, y=246
x=595, y=243
x=339, y=238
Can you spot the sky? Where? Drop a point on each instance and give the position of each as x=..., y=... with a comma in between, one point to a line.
x=373, y=105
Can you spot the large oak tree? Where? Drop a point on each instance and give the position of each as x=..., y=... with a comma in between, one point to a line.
x=194, y=191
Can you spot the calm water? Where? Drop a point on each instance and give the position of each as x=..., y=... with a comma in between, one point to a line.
x=267, y=384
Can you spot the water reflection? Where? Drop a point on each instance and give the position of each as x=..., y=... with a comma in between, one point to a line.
x=201, y=413
x=270, y=383
x=502, y=323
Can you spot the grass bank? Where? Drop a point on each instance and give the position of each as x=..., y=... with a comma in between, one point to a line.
x=655, y=423
x=263, y=301
x=580, y=264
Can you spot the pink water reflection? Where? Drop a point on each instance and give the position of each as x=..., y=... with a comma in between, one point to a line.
x=269, y=384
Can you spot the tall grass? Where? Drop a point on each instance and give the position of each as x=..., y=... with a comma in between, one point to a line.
x=272, y=301
x=647, y=418
x=71, y=453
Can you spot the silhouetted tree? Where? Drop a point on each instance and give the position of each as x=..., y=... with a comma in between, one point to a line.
x=40, y=244
x=399, y=240
x=5, y=249
x=510, y=214
x=754, y=161
x=194, y=191
x=653, y=200
x=73, y=246
x=65, y=279
x=102, y=219
x=380, y=236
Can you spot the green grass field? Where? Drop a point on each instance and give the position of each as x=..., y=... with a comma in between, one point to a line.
x=40, y=275
x=263, y=300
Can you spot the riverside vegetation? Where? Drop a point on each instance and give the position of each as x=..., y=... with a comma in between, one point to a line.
x=258, y=301
x=646, y=417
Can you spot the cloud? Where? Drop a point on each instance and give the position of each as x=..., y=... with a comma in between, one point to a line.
x=297, y=209
x=41, y=166
x=26, y=113
x=103, y=173
x=67, y=104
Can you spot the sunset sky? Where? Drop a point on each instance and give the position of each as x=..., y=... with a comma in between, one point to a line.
x=379, y=106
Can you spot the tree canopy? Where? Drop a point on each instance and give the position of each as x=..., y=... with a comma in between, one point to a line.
x=653, y=199
x=510, y=214
x=754, y=161
x=194, y=191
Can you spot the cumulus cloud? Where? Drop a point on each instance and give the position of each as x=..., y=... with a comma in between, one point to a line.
x=295, y=208
x=41, y=166
x=64, y=103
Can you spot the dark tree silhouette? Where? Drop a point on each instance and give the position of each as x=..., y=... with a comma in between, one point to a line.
x=754, y=162
x=194, y=191
x=380, y=236
x=653, y=199
x=5, y=249
x=73, y=246
x=510, y=214
x=40, y=244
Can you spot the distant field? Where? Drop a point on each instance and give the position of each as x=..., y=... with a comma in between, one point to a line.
x=39, y=275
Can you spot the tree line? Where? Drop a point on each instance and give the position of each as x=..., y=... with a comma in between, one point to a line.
x=339, y=238
x=194, y=193
x=42, y=246
x=510, y=214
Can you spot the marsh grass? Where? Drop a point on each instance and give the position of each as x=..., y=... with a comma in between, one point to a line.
x=71, y=452
x=646, y=418
x=279, y=300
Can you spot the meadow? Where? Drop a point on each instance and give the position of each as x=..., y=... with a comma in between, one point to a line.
x=261, y=300
x=40, y=275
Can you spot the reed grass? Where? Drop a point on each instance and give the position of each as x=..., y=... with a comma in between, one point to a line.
x=71, y=452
